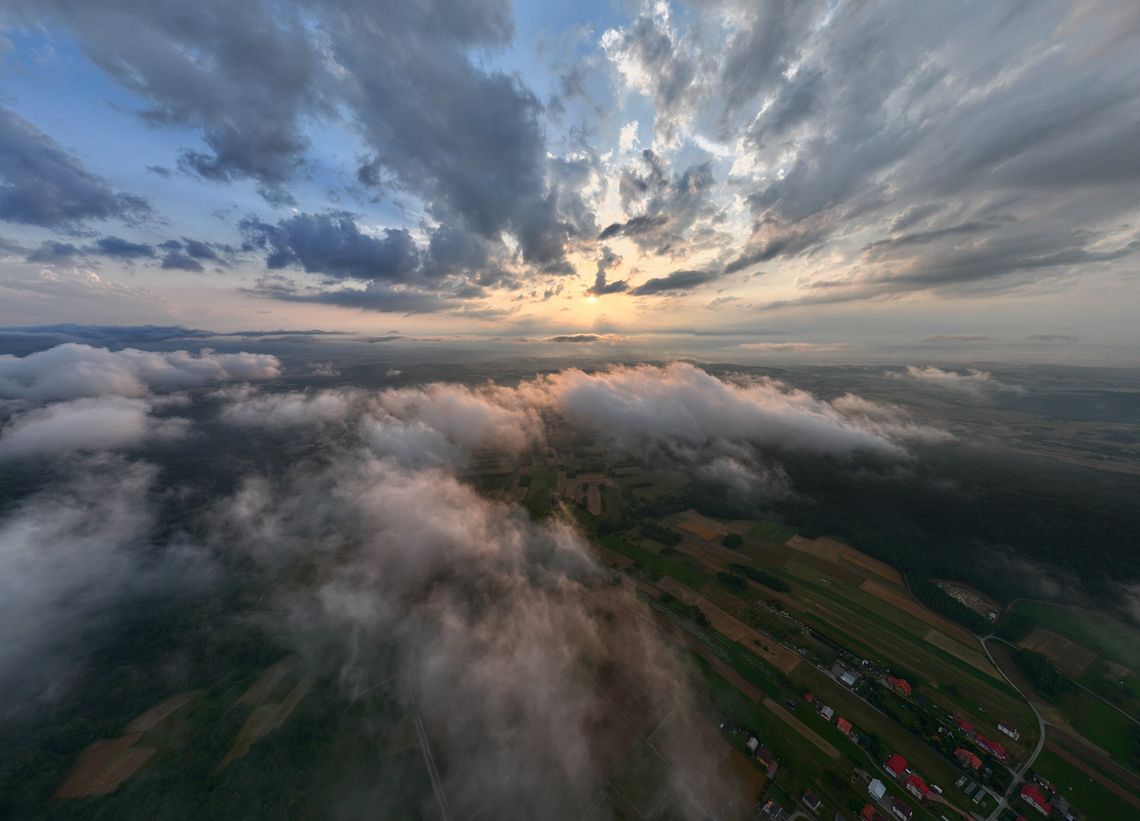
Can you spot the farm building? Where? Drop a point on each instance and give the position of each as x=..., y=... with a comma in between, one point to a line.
x=849, y=678
x=844, y=726
x=899, y=685
x=967, y=758
x=827, y=712
x=1061, y=807
x=768, y=759
x=896, y=765
x=992, y=747
x=812, y=802
x=1033, y=796
x=1009, y=731
x=901, y=809
x=752, y=744
x=876, y=789
x=917, y=787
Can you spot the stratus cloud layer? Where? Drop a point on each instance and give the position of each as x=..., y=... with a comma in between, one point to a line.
x=507, y=634
x=98, y=399
x=519, y=650
x=74, y=370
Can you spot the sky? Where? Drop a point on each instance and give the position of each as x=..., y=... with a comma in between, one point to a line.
x=797, y=177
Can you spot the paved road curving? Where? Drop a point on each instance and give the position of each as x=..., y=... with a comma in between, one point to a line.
x=1020, y=774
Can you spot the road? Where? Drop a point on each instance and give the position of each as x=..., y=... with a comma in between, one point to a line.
x=1020, y=774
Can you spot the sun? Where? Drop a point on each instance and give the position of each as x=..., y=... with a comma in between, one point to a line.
x=592, y=299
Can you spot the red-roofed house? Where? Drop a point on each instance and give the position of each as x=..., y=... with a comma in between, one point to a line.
x=966, y=727
x=768, y=759
x=967, y=758
x=896, y=765
x=899, y=685
x=809, y=698
x=917, y=787
x=1033, y=796
x=992, y=747
x=844, y=726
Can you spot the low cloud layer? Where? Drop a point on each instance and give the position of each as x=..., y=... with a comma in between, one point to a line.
x=504, y=634
x=90, y=424
x=971, y=382
x=74, y=370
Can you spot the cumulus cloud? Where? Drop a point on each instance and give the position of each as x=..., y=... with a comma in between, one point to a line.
x=45, y=185
x=90, y=424
x=507, y=638
x=75, y=370
x=972, y=382
x=436, y=424
x=70, y=557
x=681, y=403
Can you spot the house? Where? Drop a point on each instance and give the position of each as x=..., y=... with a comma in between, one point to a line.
x=752, y=744
x=917, y=787
x=992, y=747
x=966, y=728
x=809, y=698
x=899, y=685
x=901, y=809
x=870, y=814
x=896, y=765
x=876, y=789
x=826, y=712
x=812, y=802
x=967, y=758
x=774, y=811
x=849, y=678
x=768, y=759
x=844, y=726
x=1061, y=807
x=1033, y=796
x=1009, y=731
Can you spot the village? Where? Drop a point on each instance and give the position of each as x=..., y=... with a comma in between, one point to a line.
x=824, y=639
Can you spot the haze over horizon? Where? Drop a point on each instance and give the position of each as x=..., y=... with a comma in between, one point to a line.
x=804, y=177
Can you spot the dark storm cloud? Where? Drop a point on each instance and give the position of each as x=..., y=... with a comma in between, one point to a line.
x=178, y=261
x=668, y=207
x=634, y=226
x=119, y=248
x=243, y=74
x=607, y=260
x=939, y=124
x=42, y=184
x=484, y=164
x=676, y=281
x=53, y=251
x=332, y=244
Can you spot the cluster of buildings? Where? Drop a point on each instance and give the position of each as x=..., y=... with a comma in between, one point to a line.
x=994, y=748
x=765, y=756
x=1042, y=797
x=827, y=714
x=912, y=782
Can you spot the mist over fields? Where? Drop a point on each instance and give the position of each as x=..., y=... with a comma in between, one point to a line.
x=293, y=497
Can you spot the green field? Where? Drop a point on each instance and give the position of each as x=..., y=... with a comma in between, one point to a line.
x=1082, y=792
x=772, y=531
x=678, y=566
x=1097, y=631
x=1103, y=726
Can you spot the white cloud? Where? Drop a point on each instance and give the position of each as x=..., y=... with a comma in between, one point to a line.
x=91, y=424
x=73, y=370
x=972, y=382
